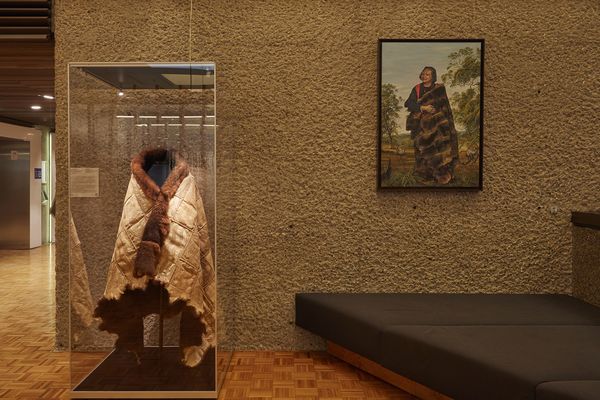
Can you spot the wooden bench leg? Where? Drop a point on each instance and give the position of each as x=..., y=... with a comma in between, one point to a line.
x=375, y=369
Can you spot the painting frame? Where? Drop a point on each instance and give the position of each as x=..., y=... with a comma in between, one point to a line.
x=384, y=184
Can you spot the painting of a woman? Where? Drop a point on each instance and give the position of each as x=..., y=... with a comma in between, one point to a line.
x=432, y=130
x=430, y=135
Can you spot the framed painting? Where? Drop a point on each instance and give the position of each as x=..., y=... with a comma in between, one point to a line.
x=430, y=114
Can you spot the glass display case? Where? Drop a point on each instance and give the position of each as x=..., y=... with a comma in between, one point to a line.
x=142, y=231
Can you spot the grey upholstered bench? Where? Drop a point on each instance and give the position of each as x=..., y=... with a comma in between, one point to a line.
x=460, y=346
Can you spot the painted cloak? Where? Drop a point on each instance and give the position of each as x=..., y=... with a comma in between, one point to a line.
x=435, y=137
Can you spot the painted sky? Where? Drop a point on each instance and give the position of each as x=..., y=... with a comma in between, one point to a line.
x=403, y=61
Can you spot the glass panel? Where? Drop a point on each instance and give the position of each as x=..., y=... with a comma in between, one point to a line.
x=142, y=230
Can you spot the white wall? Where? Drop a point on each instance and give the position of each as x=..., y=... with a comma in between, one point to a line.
x=34, y=137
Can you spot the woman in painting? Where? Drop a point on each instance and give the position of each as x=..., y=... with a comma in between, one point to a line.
x=432, y=130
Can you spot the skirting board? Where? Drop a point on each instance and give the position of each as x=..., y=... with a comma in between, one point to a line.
x=375, y=369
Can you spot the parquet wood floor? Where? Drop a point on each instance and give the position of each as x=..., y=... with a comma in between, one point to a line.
x=30, y=369
x=301, y=375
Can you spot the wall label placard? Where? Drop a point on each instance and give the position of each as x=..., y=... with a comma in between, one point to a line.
x=84, y=182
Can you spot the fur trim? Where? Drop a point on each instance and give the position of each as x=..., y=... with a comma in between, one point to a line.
x=142, y=162
x=146, y=259
x=157, y=226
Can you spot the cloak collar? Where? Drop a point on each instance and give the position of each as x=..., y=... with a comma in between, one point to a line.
x=142, y=162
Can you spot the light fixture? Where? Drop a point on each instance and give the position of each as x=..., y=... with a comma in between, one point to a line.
x=174, y=124
x=192, y=116
x=157, y=124
x=48, y=97
x=192, y=124
x=36, y=107
x=141, y=124
x=121, y=93
x=124, y=116
x=147, y=116
x=170, y=116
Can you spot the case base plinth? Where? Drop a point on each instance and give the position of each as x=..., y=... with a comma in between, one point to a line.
x=159, y=371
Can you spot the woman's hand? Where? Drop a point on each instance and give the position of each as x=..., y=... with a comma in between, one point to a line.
x=428, y=108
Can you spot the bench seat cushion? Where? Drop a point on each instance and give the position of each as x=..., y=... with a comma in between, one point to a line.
x=491, y=362
x=568, y=390
x=356, y=321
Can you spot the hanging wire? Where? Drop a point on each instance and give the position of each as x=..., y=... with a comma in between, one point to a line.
x=190, y=32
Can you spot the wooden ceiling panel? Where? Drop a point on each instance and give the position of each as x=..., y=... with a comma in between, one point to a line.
x=27, y=73
x=26, y=62
x=26, y=20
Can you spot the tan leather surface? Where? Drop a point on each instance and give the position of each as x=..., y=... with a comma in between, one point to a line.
x=81, y=297
x=185, y=266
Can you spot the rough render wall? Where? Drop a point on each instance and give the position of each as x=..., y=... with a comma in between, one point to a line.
x=297, y=110
x=586, y=264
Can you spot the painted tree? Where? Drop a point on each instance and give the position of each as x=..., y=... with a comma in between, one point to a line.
x=390, y=110
x=464, y=70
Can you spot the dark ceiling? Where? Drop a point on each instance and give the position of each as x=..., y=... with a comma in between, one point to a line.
x=26, y=62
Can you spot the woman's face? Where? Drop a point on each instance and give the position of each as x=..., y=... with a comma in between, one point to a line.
x=427, y=76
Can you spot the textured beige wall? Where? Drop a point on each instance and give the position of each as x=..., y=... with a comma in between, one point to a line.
x=297, y=109
x=586, y=264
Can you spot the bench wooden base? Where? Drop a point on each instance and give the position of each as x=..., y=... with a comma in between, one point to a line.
x=375, y=369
